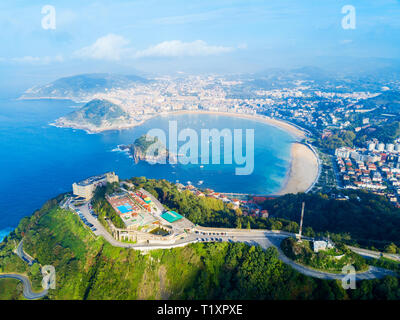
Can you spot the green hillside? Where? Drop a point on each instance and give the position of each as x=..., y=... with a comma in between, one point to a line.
x=89, y=268
x=79, y=86
x=96, y=112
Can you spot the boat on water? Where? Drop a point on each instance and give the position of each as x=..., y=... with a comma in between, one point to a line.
x=200, y=182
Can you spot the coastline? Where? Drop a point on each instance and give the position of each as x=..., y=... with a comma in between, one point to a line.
x=99, y=130
x=5, y=232
x=304, y=164
x=303, y=171
x=294, y=131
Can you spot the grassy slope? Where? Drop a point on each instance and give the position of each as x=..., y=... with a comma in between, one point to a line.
x=90, y=268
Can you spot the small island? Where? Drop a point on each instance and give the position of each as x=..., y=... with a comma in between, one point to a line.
x=147, y=148
x=96, y=116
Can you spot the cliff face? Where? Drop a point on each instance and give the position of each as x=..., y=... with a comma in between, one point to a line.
x=147, y=148
x=140, y=155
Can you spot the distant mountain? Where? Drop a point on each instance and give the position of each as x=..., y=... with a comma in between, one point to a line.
x=97, y=115
x=303, y=73
x=82, y=87
x=275, y=78
x=313, y=73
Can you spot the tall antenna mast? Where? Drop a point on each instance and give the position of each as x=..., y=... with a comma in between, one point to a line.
x=301, y=220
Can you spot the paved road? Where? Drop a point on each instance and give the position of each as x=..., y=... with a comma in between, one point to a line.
x=374, y=254
x=264, y=238
x=275, y=240
x=28, y=293
x=23, y=255
x=101, y=231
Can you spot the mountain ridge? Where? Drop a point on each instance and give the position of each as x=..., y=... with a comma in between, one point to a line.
x=82, y=87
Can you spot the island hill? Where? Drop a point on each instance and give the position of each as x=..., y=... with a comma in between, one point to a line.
x=96, y=116
x=147, y=148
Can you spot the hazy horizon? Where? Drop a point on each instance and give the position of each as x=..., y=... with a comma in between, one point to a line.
x=166, y=37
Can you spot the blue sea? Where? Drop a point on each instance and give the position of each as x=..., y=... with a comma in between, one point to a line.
x=39, y=161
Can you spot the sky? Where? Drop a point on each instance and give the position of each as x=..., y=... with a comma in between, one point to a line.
x=206, y=36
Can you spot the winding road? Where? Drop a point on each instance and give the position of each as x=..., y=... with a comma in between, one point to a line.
x=371, y=273
x=375, y=254
x=23, y=255
x=28, y=293
x=263, y=238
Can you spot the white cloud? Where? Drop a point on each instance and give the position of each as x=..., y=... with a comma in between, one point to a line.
x=110, y=47
x=346, y=41
x=38, y=60
x=115, y=47
x=176, y=48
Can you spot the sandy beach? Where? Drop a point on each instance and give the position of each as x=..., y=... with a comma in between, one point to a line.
x=260, y=118
x=304, y=163
x=303, y=170
x=304, y=166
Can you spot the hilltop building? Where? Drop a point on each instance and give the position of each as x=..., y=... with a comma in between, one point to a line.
x=322, y=244
x=86, y=188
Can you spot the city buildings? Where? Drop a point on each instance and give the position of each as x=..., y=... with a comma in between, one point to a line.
x=377, y=170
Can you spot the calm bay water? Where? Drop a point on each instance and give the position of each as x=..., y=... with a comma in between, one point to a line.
x=39, y=161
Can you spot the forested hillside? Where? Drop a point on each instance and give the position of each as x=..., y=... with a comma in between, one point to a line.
x=90, y=268
x=365, y=218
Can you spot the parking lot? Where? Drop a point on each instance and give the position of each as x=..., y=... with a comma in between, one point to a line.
x=211, y=236
x=85, y=221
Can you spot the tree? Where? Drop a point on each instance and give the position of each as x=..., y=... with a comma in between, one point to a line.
x=391, y=248
x=238, y=223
